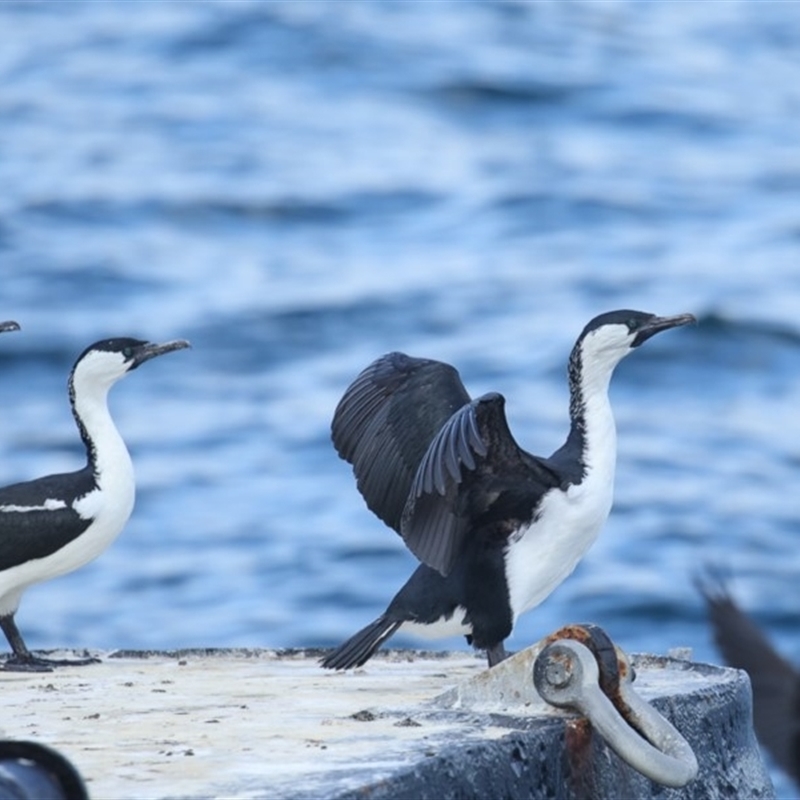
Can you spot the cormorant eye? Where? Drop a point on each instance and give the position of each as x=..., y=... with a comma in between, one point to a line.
x=633, y=324
x=127, y=352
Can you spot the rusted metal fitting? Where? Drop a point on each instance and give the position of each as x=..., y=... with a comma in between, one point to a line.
x=583, y=670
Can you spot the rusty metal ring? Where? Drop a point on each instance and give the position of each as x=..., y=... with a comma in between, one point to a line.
x=566, y=674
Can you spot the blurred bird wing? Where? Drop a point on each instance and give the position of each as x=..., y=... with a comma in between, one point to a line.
x=774, y=680
x=474, y=447
x=385, y=422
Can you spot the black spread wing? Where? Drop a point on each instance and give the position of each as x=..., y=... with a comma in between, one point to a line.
x=385, y=421
x=33, y=521
x=775, y=682
x=472, y=474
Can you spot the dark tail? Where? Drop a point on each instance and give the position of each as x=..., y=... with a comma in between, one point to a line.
x=359, y=648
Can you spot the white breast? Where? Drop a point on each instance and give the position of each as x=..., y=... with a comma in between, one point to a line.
x=546, y=552
x=109, y=510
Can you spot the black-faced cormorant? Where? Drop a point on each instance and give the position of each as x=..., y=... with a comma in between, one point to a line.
x=496, y=528
x=53, y=525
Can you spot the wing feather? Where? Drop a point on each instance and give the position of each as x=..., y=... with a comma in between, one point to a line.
x=385, y=422
x=473, y=456
x=37, y=518
x=429, y=461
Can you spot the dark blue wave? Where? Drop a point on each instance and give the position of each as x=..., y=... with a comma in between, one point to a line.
x=362, y=205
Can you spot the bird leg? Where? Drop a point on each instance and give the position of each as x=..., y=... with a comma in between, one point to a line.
x=496, y=654
x=23, y=660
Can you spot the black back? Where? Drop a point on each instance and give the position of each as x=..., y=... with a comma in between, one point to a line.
x=38, y=532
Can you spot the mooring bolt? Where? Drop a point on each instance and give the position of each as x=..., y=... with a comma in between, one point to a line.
x=579, y=675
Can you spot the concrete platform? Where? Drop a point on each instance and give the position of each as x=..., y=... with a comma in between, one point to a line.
x=273, y=724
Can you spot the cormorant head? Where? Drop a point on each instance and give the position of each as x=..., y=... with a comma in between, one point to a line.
x=609, y=337
x=105, y=362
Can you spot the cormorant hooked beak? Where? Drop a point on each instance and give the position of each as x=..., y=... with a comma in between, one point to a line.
x=150, y=350
x=658, y=324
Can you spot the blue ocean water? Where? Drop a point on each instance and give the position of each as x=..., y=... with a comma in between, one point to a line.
x=298, y=187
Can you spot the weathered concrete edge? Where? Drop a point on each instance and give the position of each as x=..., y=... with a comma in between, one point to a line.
x=264, y=652
x=560, y=759
x=552, y=758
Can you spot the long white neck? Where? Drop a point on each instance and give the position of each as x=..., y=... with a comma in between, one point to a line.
x=569, y=519
x=599, y=430
x=106, y=452
x=591, y=446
